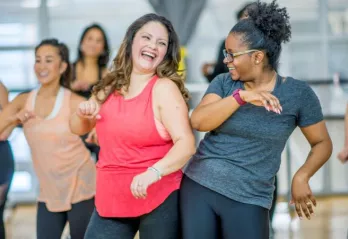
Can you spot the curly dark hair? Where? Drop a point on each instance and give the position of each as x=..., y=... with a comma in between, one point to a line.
x=119, y=77
x=244, y=10
x=63, y=51
x=266, y=28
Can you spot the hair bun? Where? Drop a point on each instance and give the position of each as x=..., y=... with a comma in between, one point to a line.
x=271, y=20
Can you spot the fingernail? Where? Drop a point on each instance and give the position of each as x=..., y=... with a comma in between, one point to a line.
x=301, y=218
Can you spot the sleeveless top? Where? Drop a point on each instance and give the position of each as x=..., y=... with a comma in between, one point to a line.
x=62, y=163
x=84, y=93
x=129, y=143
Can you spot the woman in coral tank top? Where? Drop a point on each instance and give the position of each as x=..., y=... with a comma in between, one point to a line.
x=61, y=161
x=144, y=135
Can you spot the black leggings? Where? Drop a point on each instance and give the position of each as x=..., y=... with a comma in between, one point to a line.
x=161, y=223
x=274, y=202
x=51, y=224
x=93, y=148
x=6, y=174
x=206, y=214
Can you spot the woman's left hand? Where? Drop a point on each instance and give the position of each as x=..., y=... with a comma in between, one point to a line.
x=302, y=196
x=141, y=182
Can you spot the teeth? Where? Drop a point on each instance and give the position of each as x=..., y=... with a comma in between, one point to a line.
x=149, y=54
x=44, y=74
x=231, y=68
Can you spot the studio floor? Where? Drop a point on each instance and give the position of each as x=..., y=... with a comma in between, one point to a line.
x=330, y=221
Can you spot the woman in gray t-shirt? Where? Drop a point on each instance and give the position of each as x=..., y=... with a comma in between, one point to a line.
x=249, y=114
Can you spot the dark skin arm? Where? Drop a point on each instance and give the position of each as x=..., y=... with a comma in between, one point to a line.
x=321, y=150
x=213, y=110
x=212, y=105
x=343, y=154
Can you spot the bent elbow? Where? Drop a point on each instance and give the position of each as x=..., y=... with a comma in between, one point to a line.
x=195, y=125
x=195, y=121
x=329, y=147
x=201, y=128
x=75, y=129
x=3, y=137
x=78, y=132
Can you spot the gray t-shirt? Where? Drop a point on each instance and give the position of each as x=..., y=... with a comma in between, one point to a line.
x=241, y=157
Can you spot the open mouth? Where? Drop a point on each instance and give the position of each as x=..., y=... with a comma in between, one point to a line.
x=148, y=55
x=43, y=74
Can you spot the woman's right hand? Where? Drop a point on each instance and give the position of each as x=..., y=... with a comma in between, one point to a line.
x=88, y=109
x=23, y=116
x=262, y=98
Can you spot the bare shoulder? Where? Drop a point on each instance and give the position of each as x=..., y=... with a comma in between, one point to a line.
x=165, y=85
x=3, y=89
x=167, y=93
x=3, y=95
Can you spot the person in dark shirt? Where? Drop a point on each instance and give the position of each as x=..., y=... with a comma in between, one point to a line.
x=211, y=70
x=249, y=114
x=89, y=68
x=218, y=68
x=92, y=60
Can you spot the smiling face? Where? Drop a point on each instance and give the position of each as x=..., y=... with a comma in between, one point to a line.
x=48, y=65
x=243, y=66
x=149, y=47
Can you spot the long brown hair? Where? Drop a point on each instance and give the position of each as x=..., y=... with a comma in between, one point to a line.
x=119, y=77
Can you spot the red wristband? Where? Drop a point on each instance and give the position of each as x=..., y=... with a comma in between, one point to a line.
x=237, y=97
